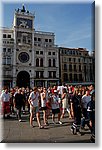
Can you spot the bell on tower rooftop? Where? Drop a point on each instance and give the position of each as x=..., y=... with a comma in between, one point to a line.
x=23, y=8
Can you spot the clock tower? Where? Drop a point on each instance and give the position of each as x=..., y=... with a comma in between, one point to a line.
x=23, y=60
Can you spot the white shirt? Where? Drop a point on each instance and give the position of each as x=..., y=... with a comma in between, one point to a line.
x=5, y=97
x=60, y=89
x=55, y=102
x=34, y=98
x=43, y=100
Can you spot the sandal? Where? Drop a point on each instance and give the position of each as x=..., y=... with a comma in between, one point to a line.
x=41, y=127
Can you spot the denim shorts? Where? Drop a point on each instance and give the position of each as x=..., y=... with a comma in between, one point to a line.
x=34, y=109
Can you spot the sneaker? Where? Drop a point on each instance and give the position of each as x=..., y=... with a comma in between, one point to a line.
x=59, y=122
x=53, y=122
x=20, y=120
x=78, y=133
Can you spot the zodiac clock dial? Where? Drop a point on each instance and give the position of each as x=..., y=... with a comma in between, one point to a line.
x=23, y=57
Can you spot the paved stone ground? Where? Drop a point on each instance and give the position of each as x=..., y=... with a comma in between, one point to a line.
x=20, y=132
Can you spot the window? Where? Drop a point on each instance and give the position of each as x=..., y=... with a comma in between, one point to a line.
x=70, y=77
x=74, y=67
x=9, y=49
x=35, y=39
x=41, y=52
x=37, y=52
x=24, y=39
x=37, y=74
x=39, y=45
x=4, y=61
x=69, y=59
x=37, y=62
x=8, y=60
x=74, y=59
x=54, y=65
x=54, y=74
x=70, y=67
x=19, y=40
x=70, y=52
x=46, y=40
x=53, y=53
x=46, y=45
x=9, y=35
x=75, y=77
x=4, y=49
x=73, y=52
x=50, y=74
x=50, y=40
x=80, y=77
x=65, y=67
x=76, y=52
x=29, y=41
x=41, y=74
x=4, y=35
x=49, y=62
x=79, y=67
x=65, y=77
x=49, y=53
x=35, y=44
x=41, y=62
x=39, y=39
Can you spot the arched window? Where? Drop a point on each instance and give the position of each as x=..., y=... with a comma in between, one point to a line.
x=49, y=62
x=65, y=77
x=75, y=77
x=70, y=67
x=8, y=60
x=70, y=77
x=37, y=62
x=41, y=62
x=75, y=68
x=4, y=60
x=54, y=65
x=65, y=67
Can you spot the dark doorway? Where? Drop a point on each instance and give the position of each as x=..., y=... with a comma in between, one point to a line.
x=23, y=79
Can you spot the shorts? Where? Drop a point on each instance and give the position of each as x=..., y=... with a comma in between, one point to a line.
x=44, y=108
x=55, y=111
x=34, y=109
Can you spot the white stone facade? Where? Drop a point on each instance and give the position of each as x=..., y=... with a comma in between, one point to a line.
x=30, y=57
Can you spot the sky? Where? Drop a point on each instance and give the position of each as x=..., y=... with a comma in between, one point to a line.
x=72, y=23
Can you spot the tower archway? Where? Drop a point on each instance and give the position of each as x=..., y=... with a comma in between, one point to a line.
x=23, y=79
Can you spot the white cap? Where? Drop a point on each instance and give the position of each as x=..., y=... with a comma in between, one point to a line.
x=55, y=91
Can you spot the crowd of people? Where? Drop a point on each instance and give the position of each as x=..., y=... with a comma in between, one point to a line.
x=77, y=101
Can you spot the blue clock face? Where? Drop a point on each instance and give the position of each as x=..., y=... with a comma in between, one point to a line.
x=25, y=23
x=23, y=57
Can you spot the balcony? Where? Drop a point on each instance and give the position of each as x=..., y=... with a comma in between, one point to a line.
x=7, y=41
x=24, y=44
x=45, y=33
